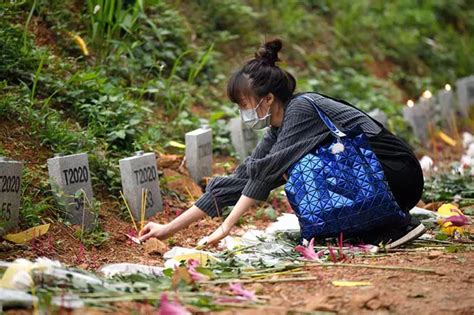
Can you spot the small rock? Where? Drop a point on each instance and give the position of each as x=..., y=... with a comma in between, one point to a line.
x=359, y=301
x=373, y=304
x=154, y=246
x=258, y=288
x=277, y=288
x=416, y=295
x=321, y=304
x=434, y=254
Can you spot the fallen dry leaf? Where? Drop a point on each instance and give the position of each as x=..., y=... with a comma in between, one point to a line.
x=27, y=235
x=180, y=273
x=345, y=283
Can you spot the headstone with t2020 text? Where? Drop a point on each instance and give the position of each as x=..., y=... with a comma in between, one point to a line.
x=10, y=193
x=70, y=180
x=139, y=173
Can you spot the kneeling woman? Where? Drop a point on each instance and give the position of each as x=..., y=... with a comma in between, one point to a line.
x=344, y=172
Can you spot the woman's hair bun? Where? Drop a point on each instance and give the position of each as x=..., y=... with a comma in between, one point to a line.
x=268, y=52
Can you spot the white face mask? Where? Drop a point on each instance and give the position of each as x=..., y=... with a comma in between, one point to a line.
x=251, y=119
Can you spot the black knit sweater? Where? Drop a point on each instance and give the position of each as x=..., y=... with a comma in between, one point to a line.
x=301, y=131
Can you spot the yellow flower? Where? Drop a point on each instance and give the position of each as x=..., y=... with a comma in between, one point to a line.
x=445, y=211
x=81, y=43
x=447, y=139
x=448, y=209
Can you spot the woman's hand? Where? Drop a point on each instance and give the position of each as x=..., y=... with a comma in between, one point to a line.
x=163, y=231
x=160, y=231
x=221, y=232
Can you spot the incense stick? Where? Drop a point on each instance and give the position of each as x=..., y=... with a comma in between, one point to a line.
x=141, y=209
x=144, y=204
x=189, y=192
x=129, y=211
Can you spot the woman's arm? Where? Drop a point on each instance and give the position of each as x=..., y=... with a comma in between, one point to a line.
x=220, y=192
x=240, y=208
x=266, y=172
x=163, y=231
x=223, y=191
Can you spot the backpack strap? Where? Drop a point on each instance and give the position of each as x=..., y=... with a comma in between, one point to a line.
x=378, y=123
x=326, y=120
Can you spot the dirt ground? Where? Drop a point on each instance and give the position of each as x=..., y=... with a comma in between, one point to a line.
x=449, y=290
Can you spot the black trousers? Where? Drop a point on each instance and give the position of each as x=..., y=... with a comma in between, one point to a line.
x=401, y=167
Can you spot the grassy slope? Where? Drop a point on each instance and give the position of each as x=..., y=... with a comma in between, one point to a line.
x=137, y=92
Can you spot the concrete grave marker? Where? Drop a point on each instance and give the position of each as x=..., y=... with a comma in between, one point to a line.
x=465, y=92
x=140, y=172
x=408, y=113
x=70, y=179
x=199, y=153
x=425, y=114
x=447, y=110
x=378, y=115
x=418, y=116
x=243, y=138
x=10, y=193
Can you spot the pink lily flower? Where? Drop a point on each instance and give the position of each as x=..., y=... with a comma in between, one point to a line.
x=195, y=275
x=308, y=252
x=367, y=248
x=193, y=263
x=171, y=308
x=237, y=289
x=457, y=220
x=332, y=254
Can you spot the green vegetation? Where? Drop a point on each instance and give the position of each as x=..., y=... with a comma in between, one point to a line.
x=110, y=77
x=450, y=187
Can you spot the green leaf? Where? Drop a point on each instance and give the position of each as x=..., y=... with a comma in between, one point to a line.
x=168, y=272
x=78, y=194
x=441, y=237
x=455, y=249
x=134, y=122
x=120, y=134
x=271, y=213
x=216, y=116
x=205, y=271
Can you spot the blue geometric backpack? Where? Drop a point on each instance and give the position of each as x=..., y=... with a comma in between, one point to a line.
x=340, y=186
